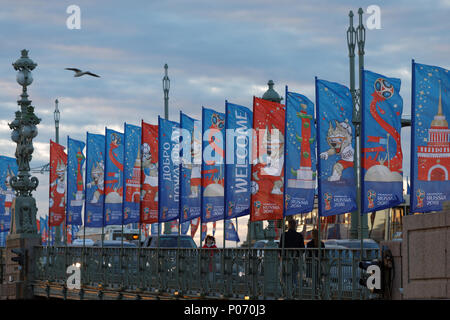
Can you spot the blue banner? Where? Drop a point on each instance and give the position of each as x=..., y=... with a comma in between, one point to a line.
x=336, y=147
x=191, y=165
x=239, y=122
x=114, y=177
x=204, y=231
x=169, y=170
x=300, y=154
x=185, y=227
x=132, y=174
x=430, y=147
x=381, y=150
x=43, y=230
x=213, y=165
x=230, y=231
x=75, y=188
x=95, y=172
x=3, y=235
x=8, y=170
x=74, y=231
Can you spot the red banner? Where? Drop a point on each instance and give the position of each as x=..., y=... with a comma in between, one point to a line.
x=268, y=160
x=149, y=176
x=57, y=196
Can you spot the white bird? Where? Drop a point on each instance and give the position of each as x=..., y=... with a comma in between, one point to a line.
x=79, y=73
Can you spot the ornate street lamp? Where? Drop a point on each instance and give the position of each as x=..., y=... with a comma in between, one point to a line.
x=23, y=220
x=57, y=117
x=166, y=87
x=271, y=286
x=351, y=43
x=357, y=37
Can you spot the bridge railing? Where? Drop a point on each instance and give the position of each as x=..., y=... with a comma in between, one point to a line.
x=216, y=273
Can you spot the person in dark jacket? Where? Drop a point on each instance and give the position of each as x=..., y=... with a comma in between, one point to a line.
x=291, y=239
x=313, y=258
x=314, y=243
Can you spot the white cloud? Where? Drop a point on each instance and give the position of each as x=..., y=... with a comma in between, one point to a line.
x=444, y=3
x=89, y=51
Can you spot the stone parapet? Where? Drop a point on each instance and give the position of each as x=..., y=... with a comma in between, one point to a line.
x=426, y=256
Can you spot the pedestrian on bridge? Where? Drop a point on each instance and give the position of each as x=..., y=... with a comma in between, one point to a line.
x=313, y=256
x=210, y=243
x=291, y=239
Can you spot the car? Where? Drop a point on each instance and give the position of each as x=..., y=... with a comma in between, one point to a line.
x=348, y=260
x=261, y=244
x=370, y=246
x=114, y=244
x=169, y=241
x=82, y=242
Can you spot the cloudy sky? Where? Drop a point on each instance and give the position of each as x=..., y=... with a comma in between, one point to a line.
x=216, y=50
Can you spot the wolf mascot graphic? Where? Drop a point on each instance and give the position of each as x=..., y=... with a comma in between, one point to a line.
x=98, y=182
x=270, y=163
x=149, y=190
x=339, y=139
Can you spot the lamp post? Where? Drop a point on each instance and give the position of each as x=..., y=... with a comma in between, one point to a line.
x=273, y=96
x=23, y=235
x=57, y=117
x=166, y=87
x=255, y=228
x=24, y=130
x=361, y=40
x=271, y=284
x=357, y=37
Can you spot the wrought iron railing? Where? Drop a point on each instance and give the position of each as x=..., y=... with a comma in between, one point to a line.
x=214, y=273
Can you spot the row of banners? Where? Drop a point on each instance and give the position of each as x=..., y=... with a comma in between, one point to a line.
x=264, y=163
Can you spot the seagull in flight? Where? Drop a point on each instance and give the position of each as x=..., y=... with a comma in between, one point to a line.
x=79, y=73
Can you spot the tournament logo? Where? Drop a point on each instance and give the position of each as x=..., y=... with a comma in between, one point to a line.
x=108, y=215
x=371, y=198
x=230, y=208
x=420, y=195
x=208, y=210
x=257, y=205
x=328, y=197
x=185, y=212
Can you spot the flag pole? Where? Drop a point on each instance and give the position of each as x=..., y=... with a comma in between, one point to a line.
x=67, y=212
x=104, y=188
x=49, y=236
x=179, y=204
x=123, y=192
x=48, y=232
x=237, y=229
x=159, y=184
x=225, y=193
x=359, y=161
x=85, y=191
x=283, y=237
x=140, y=190
x=319, y=193
x=202, y=176
x=413, y=140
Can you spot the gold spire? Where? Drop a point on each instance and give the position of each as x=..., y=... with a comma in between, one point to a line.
x=439, y=118
x=137, y=162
